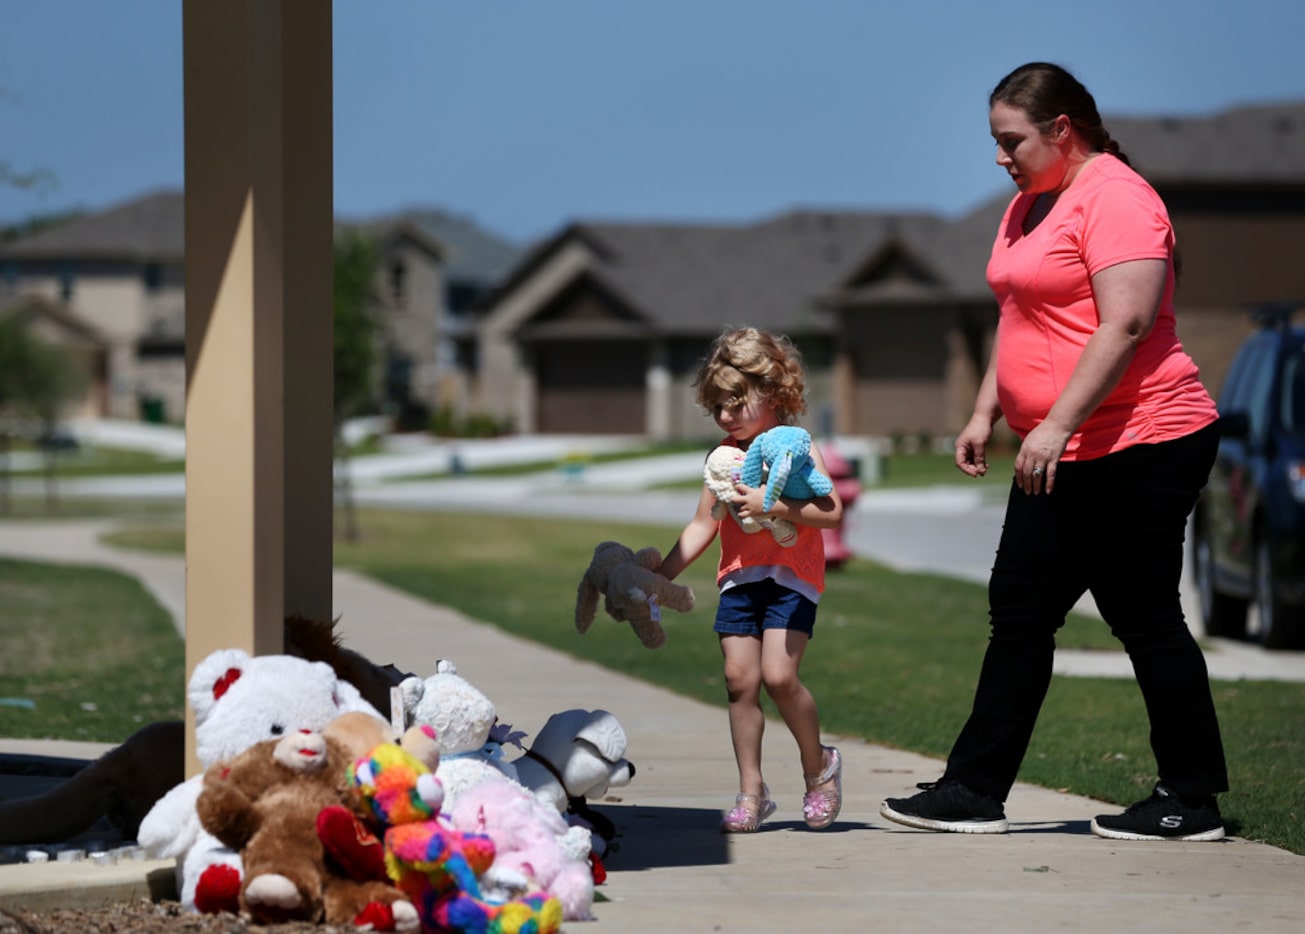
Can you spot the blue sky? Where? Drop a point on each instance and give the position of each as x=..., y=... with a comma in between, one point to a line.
x=526, y=114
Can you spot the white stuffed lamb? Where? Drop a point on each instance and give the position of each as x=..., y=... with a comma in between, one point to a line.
x=238, y=700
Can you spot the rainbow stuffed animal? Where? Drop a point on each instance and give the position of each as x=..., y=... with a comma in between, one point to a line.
x=437, y=867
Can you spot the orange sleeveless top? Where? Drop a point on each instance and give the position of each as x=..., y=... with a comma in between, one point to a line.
x=738, y=549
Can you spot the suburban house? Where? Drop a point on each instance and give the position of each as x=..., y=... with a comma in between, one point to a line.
x=119, y=275
x=600, y=327
x=433, y=268
x=51, y=322
x=112, y=285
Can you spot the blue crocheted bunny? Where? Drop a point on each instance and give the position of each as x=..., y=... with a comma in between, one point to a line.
x=786, y=452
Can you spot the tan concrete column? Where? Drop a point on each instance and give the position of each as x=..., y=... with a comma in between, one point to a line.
x=657, y=407
x=258, y=321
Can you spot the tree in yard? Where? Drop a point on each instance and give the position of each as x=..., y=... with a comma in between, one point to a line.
x=355, y=353
x=36, y=179
x=36, y=380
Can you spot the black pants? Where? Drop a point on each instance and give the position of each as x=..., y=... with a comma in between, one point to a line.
x=1113, y=527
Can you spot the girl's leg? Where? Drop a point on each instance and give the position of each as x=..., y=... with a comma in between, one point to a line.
x=781, y=656
x=747, y=721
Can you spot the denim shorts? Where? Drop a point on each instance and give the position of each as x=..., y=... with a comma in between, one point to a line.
x=747, y=609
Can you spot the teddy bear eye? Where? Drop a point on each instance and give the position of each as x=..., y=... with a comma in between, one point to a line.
x=277, y=729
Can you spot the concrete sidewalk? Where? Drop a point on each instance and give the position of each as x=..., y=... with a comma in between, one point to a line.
x=675, y=871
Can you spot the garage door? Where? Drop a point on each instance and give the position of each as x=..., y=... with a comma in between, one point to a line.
x=591, y=387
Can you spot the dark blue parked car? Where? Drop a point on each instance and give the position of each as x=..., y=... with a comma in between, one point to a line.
x=1248, y=542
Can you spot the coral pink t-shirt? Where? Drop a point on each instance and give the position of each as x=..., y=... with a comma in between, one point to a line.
x=1042, y=282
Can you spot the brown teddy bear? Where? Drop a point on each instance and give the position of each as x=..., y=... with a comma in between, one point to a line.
x=265, y=803
x=632, y=590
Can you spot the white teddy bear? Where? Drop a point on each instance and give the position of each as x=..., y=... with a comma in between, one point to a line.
x=722, y=473
x=238, y=700
x=462, y=717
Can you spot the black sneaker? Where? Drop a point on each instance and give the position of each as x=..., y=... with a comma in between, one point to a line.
x=1163, y=816
x=947, y=805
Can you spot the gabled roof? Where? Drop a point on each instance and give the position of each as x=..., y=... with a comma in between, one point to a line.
x=1261, y=143
x=386, y=233
x=693, y=279
x=76, y=331
x=470, y=252
x=1256, y=145
x=150, y=228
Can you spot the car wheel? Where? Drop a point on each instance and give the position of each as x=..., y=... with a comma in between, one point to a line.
x=1221, y=614
x=1281, y=626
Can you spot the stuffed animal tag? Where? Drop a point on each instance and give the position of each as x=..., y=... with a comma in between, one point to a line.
x=396, y=710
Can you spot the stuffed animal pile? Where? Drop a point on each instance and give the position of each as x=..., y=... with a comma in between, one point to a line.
x=265, y=804
x=438, y=867
x=632, y=591
x=300, y=812
x=578, y=754
x=238, y=700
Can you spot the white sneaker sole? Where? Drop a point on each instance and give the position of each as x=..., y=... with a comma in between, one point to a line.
x=953, y=826
x=1111, y=834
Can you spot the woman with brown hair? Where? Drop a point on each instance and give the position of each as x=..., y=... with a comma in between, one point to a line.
x=1117, y=439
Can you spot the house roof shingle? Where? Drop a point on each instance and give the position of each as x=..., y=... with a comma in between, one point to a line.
x=151, y=227
x=1261, y=143
x=691, y=279
x=471, y=253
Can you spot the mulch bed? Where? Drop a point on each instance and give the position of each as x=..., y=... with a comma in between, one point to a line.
x=147, y=917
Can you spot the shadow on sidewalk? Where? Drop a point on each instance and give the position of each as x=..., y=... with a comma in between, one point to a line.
x=663, y=837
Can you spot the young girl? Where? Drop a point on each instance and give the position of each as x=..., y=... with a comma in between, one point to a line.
x=752, y=381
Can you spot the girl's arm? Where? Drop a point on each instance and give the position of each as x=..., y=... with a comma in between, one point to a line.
x=693, y=541
x=1128, y=299
x=820, y=512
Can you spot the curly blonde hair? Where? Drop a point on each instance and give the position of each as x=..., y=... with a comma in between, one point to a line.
x=742, y=360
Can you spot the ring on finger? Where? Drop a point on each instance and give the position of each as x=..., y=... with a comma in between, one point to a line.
x=1037, y=471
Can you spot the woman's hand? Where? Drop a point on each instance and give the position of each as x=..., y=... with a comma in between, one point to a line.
x=972, y=446
x=1035, y=464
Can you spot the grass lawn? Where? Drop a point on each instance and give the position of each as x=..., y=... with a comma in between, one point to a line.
x=85, y=654
x=894, y=660
x=905, y=470
x=102, y=462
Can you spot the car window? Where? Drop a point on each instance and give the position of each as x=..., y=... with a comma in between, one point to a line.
x=1232, y=398
x=1293, y=393
x=1259, y=383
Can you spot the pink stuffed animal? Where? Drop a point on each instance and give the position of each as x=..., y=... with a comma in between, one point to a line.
x=534, y=848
